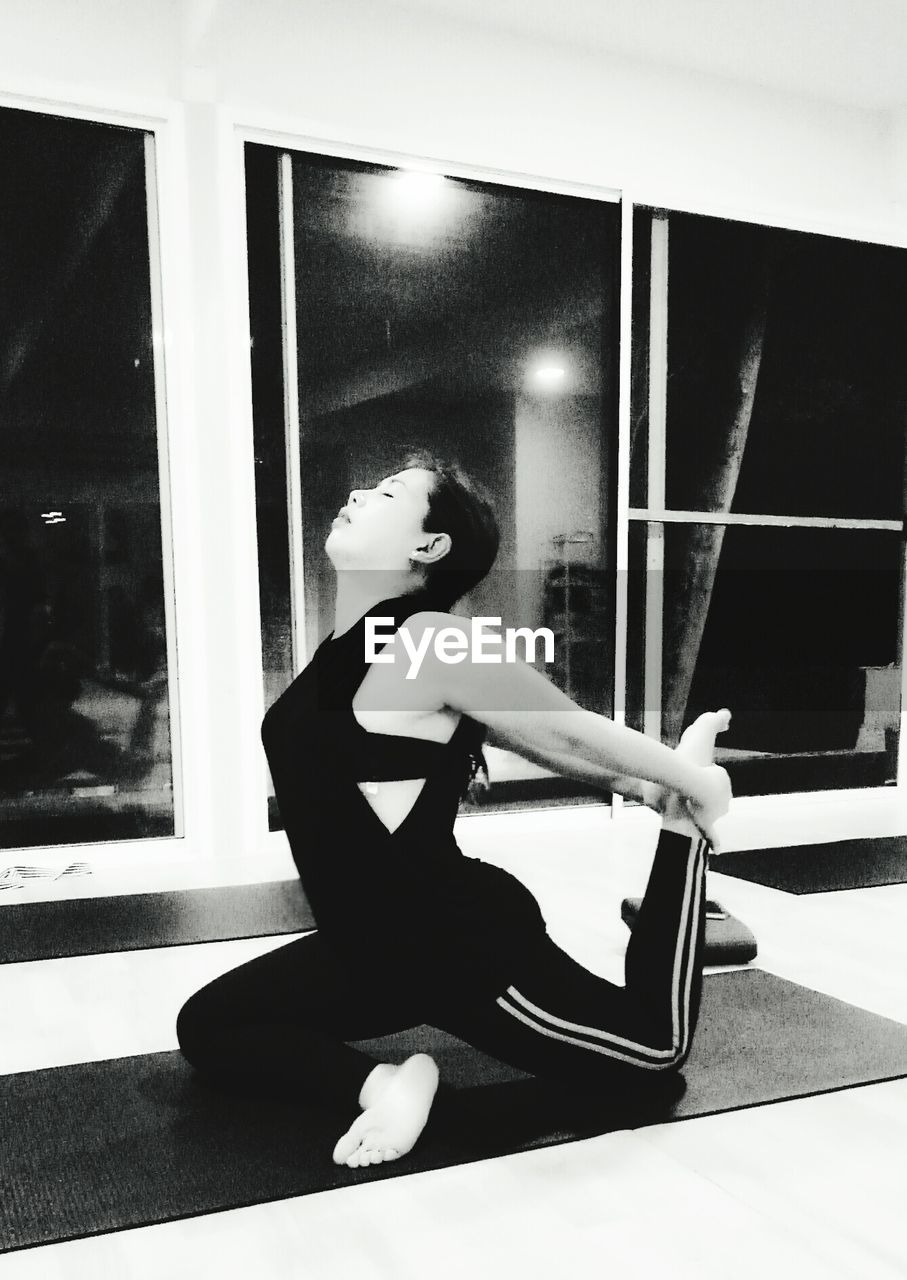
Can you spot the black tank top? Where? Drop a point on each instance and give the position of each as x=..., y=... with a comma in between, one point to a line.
x=406, y=902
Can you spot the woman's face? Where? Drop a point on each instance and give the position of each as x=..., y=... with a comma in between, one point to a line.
x=381, y=528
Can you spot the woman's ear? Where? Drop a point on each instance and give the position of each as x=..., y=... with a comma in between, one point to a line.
x=433, y=549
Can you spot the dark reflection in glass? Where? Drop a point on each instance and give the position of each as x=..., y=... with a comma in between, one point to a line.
x=263, y=234
x=85, y=752
x=787, y=385
x=478, y=321
x=639, y=358
x=796, y=630
x=475, y=320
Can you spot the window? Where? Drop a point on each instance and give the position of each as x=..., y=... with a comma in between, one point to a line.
x=475, y=319
x=767, y=465
x=85, y=742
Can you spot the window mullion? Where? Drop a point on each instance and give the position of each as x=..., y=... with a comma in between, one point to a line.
x=657, y=441
x=622, y=526
x=662, y=516
x=291, y=410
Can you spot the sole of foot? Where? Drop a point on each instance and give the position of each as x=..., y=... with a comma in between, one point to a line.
x=697, y=743
x=398, y=1112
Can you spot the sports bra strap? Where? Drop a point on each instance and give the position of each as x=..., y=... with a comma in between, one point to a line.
x=392, y=758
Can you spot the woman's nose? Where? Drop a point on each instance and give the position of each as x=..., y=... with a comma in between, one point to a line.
x=356, y=497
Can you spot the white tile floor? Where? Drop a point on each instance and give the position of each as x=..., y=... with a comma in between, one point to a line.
x=811, y=1188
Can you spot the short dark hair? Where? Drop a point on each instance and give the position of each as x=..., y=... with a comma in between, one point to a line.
x=461, y=507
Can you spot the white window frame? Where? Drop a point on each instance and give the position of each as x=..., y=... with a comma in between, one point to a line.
x=756, y=820
x=161, y=124
x=283, y=150
x=813, y=815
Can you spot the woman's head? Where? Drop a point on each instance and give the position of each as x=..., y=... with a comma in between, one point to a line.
x=429, y=521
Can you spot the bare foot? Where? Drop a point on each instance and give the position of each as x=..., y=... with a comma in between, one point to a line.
x=375, y=1084
x=397, y=1107
x=697, y=743
x=698, y=740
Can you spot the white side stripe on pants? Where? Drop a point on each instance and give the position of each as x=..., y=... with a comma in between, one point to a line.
x=606, y=1042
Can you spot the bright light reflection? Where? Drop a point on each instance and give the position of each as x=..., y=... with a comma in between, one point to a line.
x=550, y=373
x=415, y=192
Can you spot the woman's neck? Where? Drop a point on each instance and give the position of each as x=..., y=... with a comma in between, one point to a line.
x=359, y=590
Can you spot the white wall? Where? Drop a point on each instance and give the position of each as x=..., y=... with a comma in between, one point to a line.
x=421, y=82
x=438, y=87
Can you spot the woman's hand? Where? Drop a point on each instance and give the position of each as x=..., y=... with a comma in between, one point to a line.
x=711, y=801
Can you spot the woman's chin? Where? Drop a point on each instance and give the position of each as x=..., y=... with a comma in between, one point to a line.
x=340, y=557
x=335, y=533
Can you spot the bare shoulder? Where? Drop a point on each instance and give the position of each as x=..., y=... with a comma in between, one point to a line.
x=404, y=669
x=456, y=662
x=436, y=619
x=418, y=626
x=473, y=674
x=425, y=619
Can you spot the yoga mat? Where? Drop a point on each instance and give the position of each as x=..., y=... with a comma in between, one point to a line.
x=134, y=922
x=105, y=1146
x=821, y=868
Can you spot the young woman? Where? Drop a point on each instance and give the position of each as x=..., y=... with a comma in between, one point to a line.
x=369, y=762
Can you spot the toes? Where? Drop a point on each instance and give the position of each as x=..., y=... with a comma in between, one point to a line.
x=350, y=1142
x=362, y=1156
x=344, y=1149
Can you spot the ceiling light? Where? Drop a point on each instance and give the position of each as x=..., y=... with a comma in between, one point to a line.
x=416, y=191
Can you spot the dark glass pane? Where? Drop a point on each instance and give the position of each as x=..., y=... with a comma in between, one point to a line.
x=639, y=358
x=786, y=387
x=479, y=321
x=85, y=750
x=795, y=630
x=263, y=234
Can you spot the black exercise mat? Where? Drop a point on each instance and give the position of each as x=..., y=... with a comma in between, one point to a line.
x=108, y=1145
x=821, y=868
x=134, y=922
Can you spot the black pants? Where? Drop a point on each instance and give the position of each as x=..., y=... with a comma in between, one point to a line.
x=282, y=1022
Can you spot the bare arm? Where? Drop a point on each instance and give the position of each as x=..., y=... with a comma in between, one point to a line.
x=595, y=775
x=528, y=714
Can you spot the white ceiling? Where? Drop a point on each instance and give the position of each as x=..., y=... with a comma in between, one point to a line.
x=852, y=52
